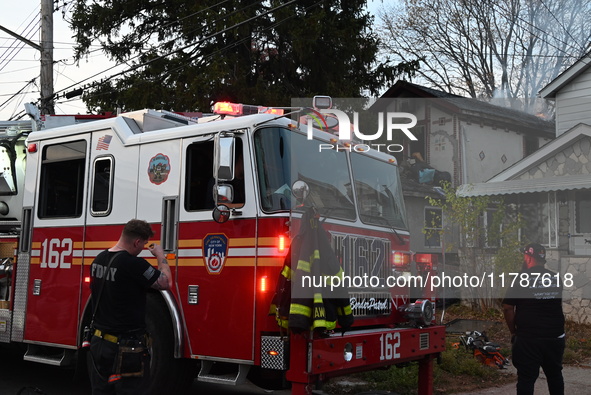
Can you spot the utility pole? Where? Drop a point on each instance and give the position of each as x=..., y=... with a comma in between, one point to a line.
x=47, y=104
x=46, y=50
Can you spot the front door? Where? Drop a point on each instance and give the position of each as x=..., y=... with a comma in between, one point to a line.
x=216, y=265
x=57, y=241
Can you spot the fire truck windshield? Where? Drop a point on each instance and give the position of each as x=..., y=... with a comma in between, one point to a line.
x=379, y=194
x=284, y=156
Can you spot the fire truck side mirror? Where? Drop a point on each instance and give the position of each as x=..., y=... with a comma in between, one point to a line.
x=300, y=191
x=224, y=193
x=221, y=213
x=223, y=166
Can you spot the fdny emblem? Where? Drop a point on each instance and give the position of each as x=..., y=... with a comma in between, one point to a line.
x=158, y=169
x=215, y=250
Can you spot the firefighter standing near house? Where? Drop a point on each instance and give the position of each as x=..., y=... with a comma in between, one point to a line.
x=119, y=283
x=533, y=312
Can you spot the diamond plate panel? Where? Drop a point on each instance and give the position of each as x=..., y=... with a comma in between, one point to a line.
x=271, y=345
x=20, y=297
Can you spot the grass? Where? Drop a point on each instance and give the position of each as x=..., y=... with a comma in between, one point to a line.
x=459, y=371
x=578, y=343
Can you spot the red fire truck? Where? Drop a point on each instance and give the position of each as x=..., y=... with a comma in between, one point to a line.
x=218, y=193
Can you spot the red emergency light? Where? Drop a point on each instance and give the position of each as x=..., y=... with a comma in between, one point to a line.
x=400, y=258
x=236, y=109
x=226, y=108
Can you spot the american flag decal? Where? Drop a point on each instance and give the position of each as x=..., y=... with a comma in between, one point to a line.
x=103, y=142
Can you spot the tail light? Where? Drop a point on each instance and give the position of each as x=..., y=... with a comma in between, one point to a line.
x=263, y=284
x=281, y=243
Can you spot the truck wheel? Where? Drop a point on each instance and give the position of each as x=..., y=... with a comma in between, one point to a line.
x=168, y=374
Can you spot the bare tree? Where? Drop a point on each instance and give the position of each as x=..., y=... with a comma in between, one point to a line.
x=487, y=48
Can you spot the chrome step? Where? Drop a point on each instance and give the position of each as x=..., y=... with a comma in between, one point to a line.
x=48, y=355
x=233, y=378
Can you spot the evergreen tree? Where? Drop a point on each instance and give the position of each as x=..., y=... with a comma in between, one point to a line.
x=184, y=55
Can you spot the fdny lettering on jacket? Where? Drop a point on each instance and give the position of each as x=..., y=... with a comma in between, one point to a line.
x=99, y=271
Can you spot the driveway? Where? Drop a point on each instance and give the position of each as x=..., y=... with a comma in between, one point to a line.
x=577, y=381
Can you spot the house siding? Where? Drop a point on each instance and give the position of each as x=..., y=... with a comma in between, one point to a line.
x=574, y=159
x=577, y=298
x=573, y=103
x=485, y=154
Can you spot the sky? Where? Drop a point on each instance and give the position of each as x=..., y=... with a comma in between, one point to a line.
x=20, y=63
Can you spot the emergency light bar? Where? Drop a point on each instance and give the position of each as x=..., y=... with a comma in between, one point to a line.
x=236, y=109
x=401, y=258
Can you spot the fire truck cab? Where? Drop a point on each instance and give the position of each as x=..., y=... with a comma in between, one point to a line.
x=218, y=194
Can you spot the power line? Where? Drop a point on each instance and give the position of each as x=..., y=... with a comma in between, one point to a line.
x=544, y=33
x=17, y=43
x=170, y=41
x=2, y=105
x=19, y=70
x=561, y=24
x=239, y=42
x=135, y=67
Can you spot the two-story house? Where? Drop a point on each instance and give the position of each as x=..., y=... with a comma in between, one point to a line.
x=468, y=140
x=553, y=188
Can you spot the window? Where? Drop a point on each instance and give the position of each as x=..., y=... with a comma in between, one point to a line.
x=7, y=168
x=433, y=226
x=492, y=229
x=61, y=185
x=583, y=211
x=199, y=181
x=541, y=213
x=102, y=187
x=418, y=149
x=199, y=176
x=530, y=145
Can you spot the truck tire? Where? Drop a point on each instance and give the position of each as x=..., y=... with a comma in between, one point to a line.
x=169, y=375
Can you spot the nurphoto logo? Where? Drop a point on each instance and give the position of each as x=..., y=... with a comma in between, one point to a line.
x=346, y=130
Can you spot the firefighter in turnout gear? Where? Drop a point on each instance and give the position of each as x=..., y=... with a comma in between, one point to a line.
x=305, y=307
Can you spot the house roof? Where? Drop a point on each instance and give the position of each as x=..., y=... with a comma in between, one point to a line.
x=476, y=109
x=550, y=90
x=411, y=188
x=506, y=182
x=561, y=183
